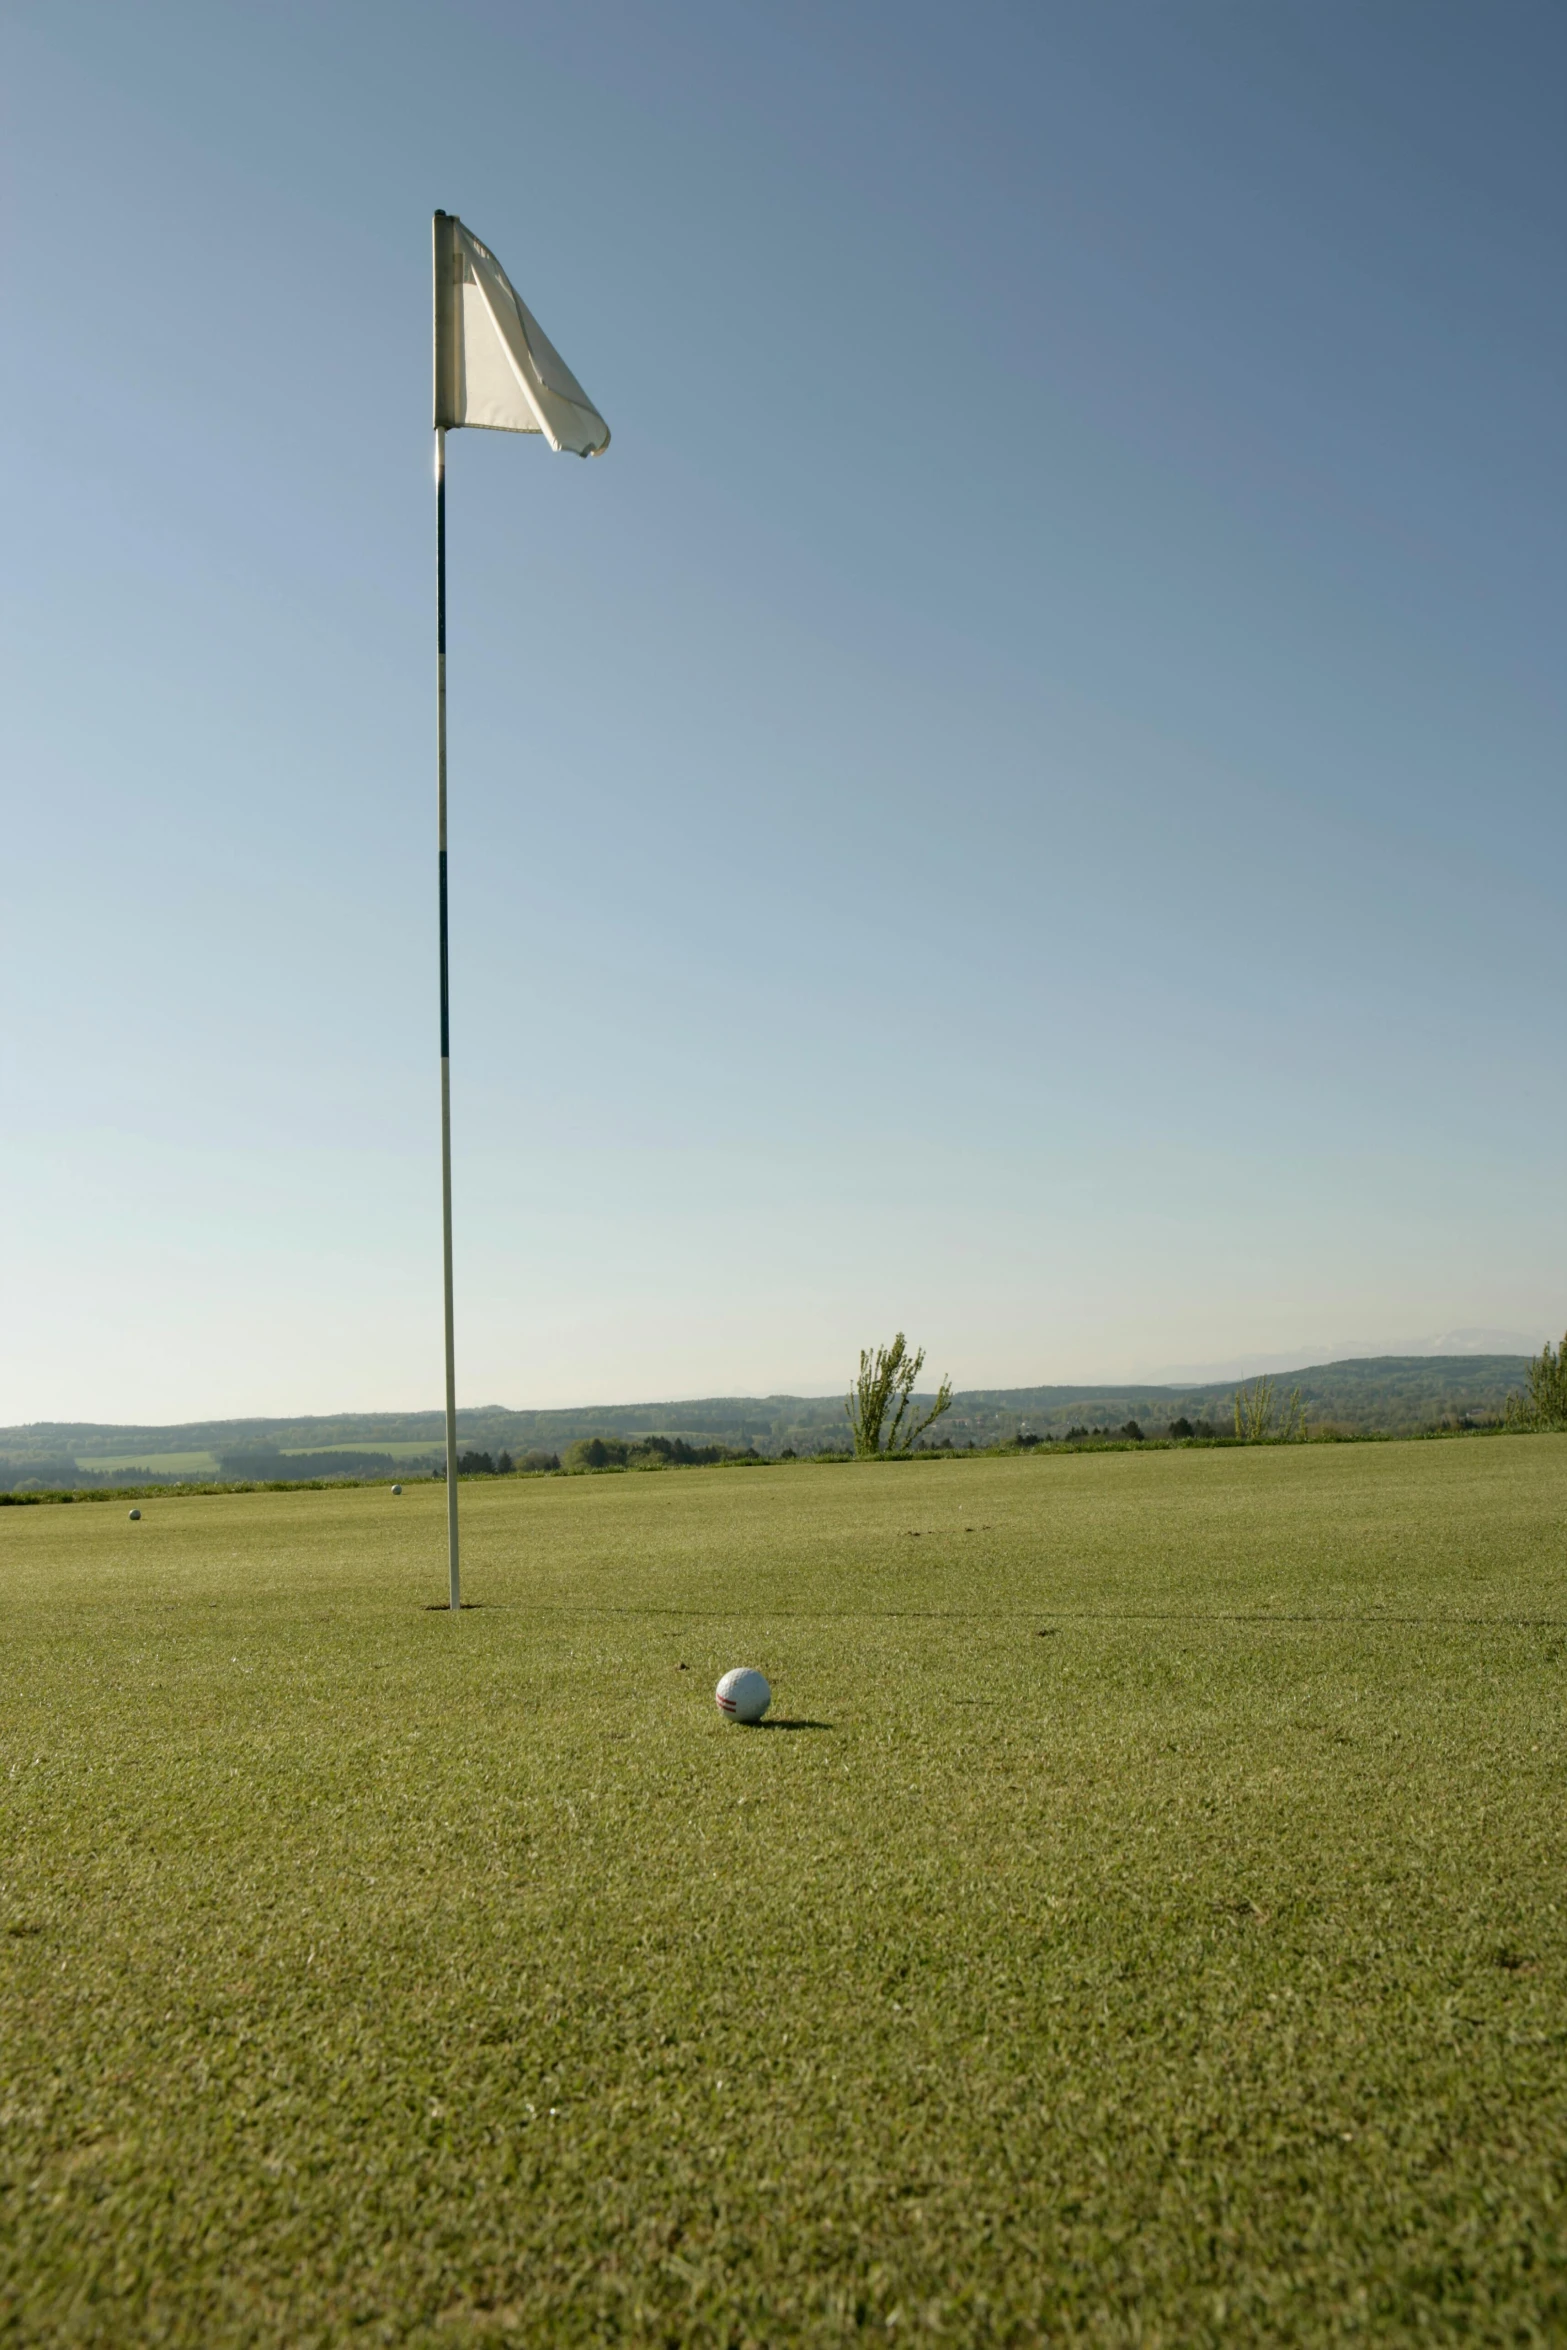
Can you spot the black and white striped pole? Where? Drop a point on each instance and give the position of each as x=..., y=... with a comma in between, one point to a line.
x=494, y=367
x=454, y=1572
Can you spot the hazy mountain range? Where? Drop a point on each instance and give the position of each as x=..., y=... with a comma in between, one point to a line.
x=1339, y=1350
x=1383, y=1393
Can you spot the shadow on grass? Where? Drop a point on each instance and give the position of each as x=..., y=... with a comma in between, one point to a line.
x=784, y=1723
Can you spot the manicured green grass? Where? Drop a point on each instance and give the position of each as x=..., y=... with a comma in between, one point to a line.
x=1191, y=1974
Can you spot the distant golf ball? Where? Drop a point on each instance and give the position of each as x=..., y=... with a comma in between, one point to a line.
x=743, y=1695
x=136, y=1513
x=397, y=1489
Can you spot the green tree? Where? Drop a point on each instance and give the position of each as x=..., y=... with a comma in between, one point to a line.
x=887, y=1376
x=1257, y=1419
x=595, y=1452
x=1545, y=1405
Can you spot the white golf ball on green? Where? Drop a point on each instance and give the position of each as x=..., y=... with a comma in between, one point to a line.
x=743, y=1695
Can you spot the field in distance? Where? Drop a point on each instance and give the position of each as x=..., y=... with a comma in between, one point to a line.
x=1143, y=1922
x=209, y=1463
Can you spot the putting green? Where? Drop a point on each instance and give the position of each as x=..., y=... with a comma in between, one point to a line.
x=1143, y=1923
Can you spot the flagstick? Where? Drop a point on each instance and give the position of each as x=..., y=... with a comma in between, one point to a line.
x=446, y=1025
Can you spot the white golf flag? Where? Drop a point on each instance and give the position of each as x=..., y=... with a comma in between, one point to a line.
x=494, y=364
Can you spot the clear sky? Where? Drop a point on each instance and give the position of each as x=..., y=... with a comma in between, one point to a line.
x=1022, y=800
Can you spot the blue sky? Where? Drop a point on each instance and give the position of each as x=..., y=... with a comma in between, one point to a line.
x=1022, y=799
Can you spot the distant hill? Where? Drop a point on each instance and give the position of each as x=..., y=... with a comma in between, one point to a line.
x=1386, y=1394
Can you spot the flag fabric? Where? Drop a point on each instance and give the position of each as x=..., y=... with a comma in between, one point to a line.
x=494, y=364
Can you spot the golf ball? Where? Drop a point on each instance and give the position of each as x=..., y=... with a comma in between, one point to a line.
x=136, y=1513
x=743, y=1695
x=397, y=1489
